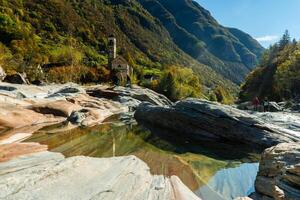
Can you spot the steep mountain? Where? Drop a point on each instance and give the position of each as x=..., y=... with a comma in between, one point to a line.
x=228, y=51
x=157, y=37
x=36, y=32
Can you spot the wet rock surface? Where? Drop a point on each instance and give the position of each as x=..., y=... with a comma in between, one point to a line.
x=48, y=175
x=204, y=120
x=279, y=173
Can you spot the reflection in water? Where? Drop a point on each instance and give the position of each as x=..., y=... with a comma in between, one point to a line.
x=197, y=165
x=230, y=183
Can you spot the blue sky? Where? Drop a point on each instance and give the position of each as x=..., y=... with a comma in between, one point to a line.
x=265, y=20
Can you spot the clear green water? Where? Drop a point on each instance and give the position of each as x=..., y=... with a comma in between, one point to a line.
x=211, y=170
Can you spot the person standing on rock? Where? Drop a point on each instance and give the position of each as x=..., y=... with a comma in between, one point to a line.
x=256, y=103
x=128, y=82
x=266, y=104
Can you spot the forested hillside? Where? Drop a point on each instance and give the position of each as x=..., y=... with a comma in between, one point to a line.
x=73, y=34
x=278, y=75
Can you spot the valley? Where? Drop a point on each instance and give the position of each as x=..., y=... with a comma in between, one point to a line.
x=148, y=99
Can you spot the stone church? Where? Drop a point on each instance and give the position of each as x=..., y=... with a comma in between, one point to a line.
x=119, y=67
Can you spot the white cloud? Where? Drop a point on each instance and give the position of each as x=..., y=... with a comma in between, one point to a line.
x=267, y=38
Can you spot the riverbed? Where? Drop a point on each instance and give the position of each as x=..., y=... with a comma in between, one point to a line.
x=97, y=121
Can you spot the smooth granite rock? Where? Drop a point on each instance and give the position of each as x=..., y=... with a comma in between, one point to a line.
x=50, y=176
x=204, y=120
x=285, y=120
x=57, y=108
x=279, y=173
x=124, y=94
x=143, y=95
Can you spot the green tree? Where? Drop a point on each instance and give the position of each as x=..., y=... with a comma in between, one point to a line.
x=278, y=74
x=179, y=83
x=285, y=40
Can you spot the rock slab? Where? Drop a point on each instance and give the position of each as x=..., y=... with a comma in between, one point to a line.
x=50, y=176
x=203, y=120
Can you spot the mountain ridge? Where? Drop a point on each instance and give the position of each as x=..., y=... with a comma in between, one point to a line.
x=206, y=40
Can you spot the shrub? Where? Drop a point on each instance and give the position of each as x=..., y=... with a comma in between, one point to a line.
x=93, y=59
x=65, y=74
x=222, y=95
x=179, y=83
x=48, y=26
x=67, y=55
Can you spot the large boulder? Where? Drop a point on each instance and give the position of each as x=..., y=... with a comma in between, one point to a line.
x=204, y=120
x=130, y=96
x=2, y=74
x=143, y=95
x=246, y=106
x=279, y=173
x=69, y=90
x=16, y=79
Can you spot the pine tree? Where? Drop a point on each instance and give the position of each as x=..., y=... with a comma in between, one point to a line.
x=285, y=40
x=294, y=43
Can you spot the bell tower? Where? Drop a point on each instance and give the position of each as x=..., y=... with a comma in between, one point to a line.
x=112, y=49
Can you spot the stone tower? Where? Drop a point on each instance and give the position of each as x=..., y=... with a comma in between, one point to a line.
x=112, y=49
